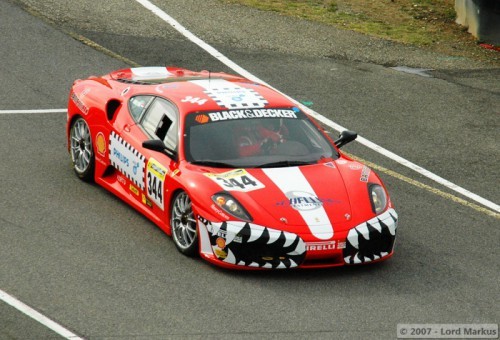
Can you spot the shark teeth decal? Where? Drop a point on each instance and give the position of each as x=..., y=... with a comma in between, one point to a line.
x=248, y=244
x=371, y=240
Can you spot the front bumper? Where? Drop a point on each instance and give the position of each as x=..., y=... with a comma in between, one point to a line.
x=236, y=244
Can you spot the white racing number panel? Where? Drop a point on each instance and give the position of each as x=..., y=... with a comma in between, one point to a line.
x=126, y=159
x=236, y=180
x=231, y=96
x=155, y=181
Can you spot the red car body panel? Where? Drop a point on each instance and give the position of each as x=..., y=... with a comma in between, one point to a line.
x=322, y=209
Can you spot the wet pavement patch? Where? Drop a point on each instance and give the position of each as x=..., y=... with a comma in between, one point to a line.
x=423, y=72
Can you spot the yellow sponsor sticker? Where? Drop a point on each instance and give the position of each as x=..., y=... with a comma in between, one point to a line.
x=147, y=201
x=175, y=172
x=134, y=190
x=157, y=169
x=228, y=174
x=221, y=254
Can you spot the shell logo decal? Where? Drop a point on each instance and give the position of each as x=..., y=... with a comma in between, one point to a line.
x=100, y=143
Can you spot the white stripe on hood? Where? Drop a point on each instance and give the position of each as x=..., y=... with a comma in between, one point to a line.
x=292, y=182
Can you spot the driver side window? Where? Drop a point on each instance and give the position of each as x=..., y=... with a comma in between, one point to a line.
x=160, y=121
x=138, y=104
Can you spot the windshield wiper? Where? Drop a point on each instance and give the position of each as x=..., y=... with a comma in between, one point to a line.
x=284, y=164
x=214, y=164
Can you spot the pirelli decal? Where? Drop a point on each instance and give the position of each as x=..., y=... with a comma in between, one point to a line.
x=126, y=159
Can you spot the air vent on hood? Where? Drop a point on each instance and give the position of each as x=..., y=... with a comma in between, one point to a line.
x=135, y=82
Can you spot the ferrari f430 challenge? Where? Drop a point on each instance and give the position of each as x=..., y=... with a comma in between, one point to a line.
x=233, y=170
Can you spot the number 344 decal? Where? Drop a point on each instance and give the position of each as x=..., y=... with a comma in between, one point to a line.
x=155, y=179
x=236, y=180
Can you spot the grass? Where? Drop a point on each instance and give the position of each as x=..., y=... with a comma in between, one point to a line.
x=427, y=24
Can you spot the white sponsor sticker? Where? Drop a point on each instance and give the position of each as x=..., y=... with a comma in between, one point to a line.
x=150, y=73
x=365, y=173
x=227, y=94
x=126, y=159
x=320, y=246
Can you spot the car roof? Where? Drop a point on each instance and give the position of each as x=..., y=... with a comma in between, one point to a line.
x=198, y=91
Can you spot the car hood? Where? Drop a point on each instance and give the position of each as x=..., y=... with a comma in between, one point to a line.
x=315, y=196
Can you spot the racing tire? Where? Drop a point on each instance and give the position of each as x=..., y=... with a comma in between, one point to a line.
x=81, y=150
x=183, y=224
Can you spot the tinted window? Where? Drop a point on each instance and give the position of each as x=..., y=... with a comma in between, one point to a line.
x=255, y=137
x=161, y=122
x=138, y=104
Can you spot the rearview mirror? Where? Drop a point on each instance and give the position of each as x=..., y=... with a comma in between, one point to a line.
x=345, y=137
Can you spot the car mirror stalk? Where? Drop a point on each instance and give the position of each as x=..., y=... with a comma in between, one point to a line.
x=158, y=145
x=345, y=137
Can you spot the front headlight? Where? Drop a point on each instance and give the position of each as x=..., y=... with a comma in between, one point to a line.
x=230, y=205
x=378, y=198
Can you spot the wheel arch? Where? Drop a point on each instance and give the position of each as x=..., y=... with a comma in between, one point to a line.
x=173, y=195
x=87, y=174
x=73, y=118
x=185, y=238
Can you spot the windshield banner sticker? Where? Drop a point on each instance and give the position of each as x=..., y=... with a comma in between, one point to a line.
x=236, y=180
x=245, y=114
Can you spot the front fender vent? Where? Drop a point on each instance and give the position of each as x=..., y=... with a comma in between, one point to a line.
x=112, y=107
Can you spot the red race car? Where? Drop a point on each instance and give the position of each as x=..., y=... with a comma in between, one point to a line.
x=231, y=169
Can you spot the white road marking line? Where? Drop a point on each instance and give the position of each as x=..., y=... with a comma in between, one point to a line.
x=14, y=112
x=9, y=299
x=235, y=67
x=410, y=165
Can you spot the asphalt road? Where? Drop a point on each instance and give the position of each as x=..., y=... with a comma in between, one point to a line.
x=86, y=260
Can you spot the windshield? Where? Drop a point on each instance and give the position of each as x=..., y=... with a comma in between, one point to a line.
x=254, y=138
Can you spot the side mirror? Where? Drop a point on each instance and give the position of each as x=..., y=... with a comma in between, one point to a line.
x=345, y=137
x=158, y=145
